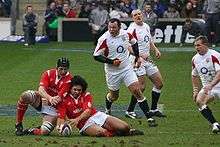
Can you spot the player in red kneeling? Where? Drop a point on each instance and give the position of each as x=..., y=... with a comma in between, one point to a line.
x=54, y=85
x=78, y=108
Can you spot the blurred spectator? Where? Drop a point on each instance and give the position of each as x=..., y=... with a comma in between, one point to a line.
x=158, y=8
x=171, y=12
x=193, y=27
x=188, y=11
x=150, y=17
x=2, y=10
x=128, y=6
x=86, y=10
x=30, y=20
x=6, y=6
x=97, y=21
x=69, y=13
x=212, y=12
x=50, y=16
x=177, y=3
x=117, y=13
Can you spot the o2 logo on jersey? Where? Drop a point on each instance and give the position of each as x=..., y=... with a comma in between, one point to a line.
x=146, y=38
x=204, y=70
x=120, y=49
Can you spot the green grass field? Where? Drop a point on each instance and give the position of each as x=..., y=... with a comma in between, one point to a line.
x=21, y=68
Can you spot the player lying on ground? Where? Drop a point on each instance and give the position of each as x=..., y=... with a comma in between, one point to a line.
x=77, y=107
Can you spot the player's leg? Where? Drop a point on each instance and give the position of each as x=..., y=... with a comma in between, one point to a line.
x=117, y=126
x=202, y=100
x=98, y=131
x=113, y=83
x=130, y=111
x=48, y=124
x=157, y=81
x=110, y=98
x=131, y=81
x=27, y=97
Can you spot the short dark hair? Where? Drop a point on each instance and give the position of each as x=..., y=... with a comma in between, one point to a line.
x=78, y=80
x=63, y=62
x=204, y=39
x=112, y=20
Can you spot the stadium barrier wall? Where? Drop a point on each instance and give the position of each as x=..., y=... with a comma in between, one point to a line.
x=5, y=27
x=77, y=29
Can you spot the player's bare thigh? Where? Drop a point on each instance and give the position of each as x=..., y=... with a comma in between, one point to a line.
x=203, y=98
x=142, y=82
x=115, y=124
x=31, y=97
x=94, y=130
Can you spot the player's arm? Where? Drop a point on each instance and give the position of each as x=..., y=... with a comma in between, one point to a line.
x=216, y=79
x=87, y=107
x=44, y=94
x=99, y=54
x=85, y=115
x=195, y=81
x=155, y=49
x=195, y=86
x=61, y=109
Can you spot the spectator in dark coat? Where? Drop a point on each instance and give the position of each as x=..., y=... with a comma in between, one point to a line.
x=193, y=27
x=30, y=20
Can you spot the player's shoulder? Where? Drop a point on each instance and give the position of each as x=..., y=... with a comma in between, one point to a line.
x=87, y=94
x=195, y=57
x=213, y=52
x=104, y=36
x=132, y=25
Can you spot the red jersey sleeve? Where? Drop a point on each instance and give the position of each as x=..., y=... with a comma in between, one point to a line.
x=44, y=81
x=88, y=101
x=65, y=87
x=61, y=109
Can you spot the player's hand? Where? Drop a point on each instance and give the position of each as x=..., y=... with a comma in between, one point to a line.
x=137, y=62
x=157, y=54
x=195, y=96
x=73, y=122
x=207, y=88
x=116, y=62
x=195, y=93
x=55, y=100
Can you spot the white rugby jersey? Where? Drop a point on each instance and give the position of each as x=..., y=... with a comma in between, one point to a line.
x=115, y=47
x=206, y=66
x=143, y=36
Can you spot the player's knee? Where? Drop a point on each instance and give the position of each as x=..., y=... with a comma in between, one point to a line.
x=159, y=86
x=46, y=128
x=136, y=92
x=142, y=87
x=27, y=96
x=112, y=97
x=199, y=102
x=123, y=130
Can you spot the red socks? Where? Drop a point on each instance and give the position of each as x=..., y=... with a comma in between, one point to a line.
x=21, y=109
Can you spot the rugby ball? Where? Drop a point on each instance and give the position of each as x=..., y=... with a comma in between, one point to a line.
x=65, y=129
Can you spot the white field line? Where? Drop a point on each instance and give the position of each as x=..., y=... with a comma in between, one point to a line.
x=88, y=51
x=186, y=133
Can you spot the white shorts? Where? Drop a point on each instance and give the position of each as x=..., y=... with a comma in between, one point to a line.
x=98, y=118
x=147, y=68
x=215, y=92
x=114, y=81
x=48, y=110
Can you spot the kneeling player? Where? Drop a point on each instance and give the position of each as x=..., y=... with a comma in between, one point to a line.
x=54, y=84
x=77, y=107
